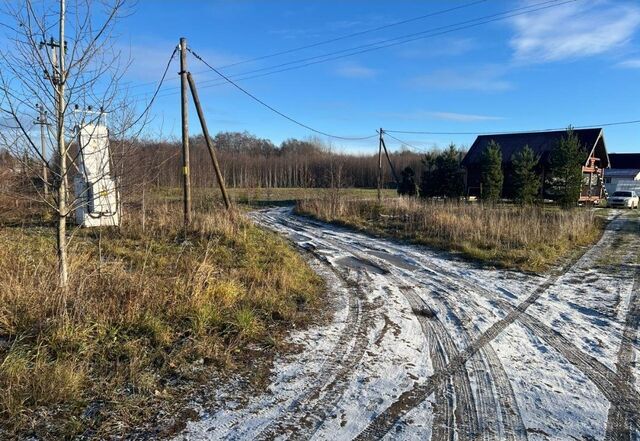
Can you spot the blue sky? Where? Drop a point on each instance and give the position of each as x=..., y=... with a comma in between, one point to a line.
x=577, y=63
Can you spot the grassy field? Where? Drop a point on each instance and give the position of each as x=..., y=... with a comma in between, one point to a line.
x=257, y=197
x=525, y=238
x=146, y=319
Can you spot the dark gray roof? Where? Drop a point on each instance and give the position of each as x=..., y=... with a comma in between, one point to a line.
x=625, y=160
x=540, y=142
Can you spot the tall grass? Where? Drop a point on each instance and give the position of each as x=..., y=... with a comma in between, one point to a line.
x=528, y=237
x=145, y=312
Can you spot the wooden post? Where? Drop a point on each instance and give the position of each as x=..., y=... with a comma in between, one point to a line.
x=205, y=132
x=393, y=170
x=185, y=133
x=380, y=166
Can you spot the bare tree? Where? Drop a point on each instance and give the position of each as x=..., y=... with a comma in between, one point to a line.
x=61, y=57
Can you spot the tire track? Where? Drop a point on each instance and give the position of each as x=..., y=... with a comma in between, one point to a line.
x=462, y=412
x=307, y=412
x=612, y=385
x=333, y=365
x=474, y=419
x=381, y=425
x=498, y=414
x=618, y=421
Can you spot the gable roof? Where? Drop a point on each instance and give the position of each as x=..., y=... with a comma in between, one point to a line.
x=625, y=160
x=622, y=173
x=540, y=142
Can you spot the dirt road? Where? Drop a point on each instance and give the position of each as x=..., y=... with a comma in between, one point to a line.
x=424, y=346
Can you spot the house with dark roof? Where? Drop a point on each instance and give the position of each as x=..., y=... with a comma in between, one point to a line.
x=542, y=143
x=624, y=173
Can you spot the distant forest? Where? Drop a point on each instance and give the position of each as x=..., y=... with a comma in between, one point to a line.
x=249, y=161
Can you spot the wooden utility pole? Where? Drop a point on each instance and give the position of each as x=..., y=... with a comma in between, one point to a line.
x=205, y=132
x=386, y=152
x=42, y=122
x=185, y=133
x=380, y=166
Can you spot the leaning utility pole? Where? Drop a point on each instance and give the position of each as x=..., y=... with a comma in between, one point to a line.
x=185, y=132
x=205, y=132
x=386, y=153
x=42, y=122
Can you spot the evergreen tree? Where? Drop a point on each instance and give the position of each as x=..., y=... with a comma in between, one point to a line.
x=428, y=182
x=492, y=176
x=567, y=159
x=441, y=174
x=526, y=182
x=408, y=185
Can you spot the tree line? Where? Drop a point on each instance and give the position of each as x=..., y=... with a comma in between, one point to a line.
x=248, y=161
x=443, y=176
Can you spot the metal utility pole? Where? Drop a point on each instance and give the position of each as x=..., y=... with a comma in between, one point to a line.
x=42, y=122
x=380, y=166
x=185, y=132
x=205, y=132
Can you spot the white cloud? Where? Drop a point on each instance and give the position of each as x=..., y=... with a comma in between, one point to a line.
x=444, y=47
x=630, y=64
x=479, y=79
x=463, y=117
x=356, y=71
x=422, y=115
x=574, y=30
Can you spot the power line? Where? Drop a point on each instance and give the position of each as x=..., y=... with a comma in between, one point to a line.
x=343, y=37
x=556, y=129
x=383, y=44
x=355, y=34
x=403, y=142
x=160, y=83
x=255, y=98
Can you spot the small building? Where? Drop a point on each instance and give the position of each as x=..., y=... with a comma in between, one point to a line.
x=624, y=173
x=542, y=143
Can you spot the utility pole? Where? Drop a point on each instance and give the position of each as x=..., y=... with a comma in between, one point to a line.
x=386, y=153
x=42, y=122
x=205, y=132
x=380, y=166
x=185, y=132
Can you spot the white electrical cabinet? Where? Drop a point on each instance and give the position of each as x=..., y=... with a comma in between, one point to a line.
x=97, y=198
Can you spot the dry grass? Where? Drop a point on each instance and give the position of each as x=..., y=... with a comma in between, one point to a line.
x=152, y=315
x=528, y=238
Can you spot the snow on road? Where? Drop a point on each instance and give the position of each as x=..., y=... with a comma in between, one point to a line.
x=424, y=346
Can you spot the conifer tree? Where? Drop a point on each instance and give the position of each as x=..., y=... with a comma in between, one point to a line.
x=491, y=170
x=408, y=185
x=526, y=182
x=567, y=159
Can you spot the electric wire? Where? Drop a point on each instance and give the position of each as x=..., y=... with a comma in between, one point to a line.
x=263, y=103
x=405, y=143
x=340, y=38
x=155, y=93
x=383, y=44
x=556, y=129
